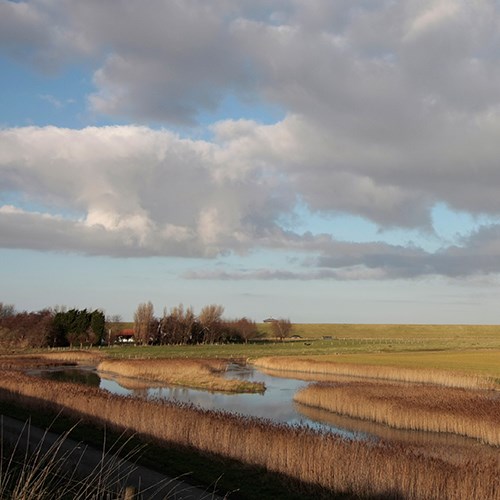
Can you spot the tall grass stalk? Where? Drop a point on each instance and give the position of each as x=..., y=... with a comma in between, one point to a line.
x=469, y=413
x=439, y=377
x=47, y=470
x=360, y=468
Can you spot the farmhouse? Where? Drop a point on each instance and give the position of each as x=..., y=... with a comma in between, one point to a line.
x=126, y=336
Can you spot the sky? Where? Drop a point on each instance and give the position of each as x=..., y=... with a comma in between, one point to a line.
x=326, y=161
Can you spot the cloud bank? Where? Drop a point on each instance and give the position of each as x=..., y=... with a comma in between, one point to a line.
x=389, y=108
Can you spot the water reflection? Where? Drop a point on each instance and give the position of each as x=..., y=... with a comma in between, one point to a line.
x=276, y=403
x=78, y=375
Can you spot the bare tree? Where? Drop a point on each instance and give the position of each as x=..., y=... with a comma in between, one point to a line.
x=144, y=323
x=176, y=327
x=281, y=328
x=245, y=328
x=210, y=319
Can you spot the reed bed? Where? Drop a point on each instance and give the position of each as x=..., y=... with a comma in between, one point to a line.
x=56, y=358
x=474, y=414
x=204, y=374
x=455, y=445
x=357, y=468
x=427, y=376
x=25, y=363
x=89, y=357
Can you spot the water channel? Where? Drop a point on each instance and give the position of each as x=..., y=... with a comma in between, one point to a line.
x=275, y=404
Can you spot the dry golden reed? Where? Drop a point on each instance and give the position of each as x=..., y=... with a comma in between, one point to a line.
x=430, y=376
x=81, y=357
x=56, y=358
x=469, y=413
x=196, y=373
x=358, y=468
x=454, y=443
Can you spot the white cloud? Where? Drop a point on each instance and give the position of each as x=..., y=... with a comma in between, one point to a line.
x=390, y=108
x=149, y=189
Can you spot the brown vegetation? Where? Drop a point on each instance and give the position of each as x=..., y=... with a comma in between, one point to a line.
x=438, y=377
x=281, y=328
x=47, y=359
x=455, y=445
x=24, y=330
x=363, y=469
x=469, y=413
x=81, y=357
x=196, y=373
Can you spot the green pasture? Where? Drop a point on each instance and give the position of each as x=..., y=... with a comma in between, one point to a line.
x=479, y=362
x=465, y=348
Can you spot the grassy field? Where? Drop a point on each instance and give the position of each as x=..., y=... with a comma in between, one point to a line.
x=472, y=349
x=479, y=362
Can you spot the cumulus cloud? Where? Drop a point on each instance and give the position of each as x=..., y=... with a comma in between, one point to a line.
x=148, y=191
x=389, y=109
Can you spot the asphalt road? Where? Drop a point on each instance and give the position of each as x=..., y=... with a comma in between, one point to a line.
x=137, y=482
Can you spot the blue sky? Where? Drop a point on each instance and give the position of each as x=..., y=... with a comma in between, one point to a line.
x=320, y=161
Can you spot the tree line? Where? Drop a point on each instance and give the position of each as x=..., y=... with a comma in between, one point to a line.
x=58, y=327
x=181, y=325
x=50, y=327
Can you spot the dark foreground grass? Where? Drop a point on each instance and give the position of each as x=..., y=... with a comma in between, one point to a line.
x=213, y=473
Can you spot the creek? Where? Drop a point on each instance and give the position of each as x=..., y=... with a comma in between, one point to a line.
x=275, y=404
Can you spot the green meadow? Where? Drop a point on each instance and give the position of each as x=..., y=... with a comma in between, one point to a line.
x=465, y=348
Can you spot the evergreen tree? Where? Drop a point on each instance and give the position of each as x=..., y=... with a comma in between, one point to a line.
x=97, y=324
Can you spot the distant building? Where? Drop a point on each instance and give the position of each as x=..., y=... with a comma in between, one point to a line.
x=126, y=336
x=270, y=320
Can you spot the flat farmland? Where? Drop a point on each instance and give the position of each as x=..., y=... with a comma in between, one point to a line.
x=472, y=349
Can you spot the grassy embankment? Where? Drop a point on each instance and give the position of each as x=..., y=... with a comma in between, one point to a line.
x=365, y=469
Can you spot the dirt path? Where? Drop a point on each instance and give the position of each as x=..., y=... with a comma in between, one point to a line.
x=150, y=484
